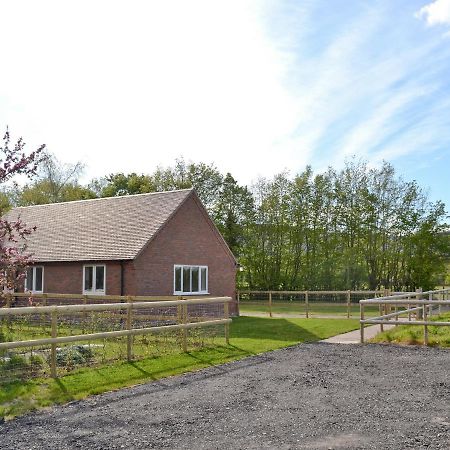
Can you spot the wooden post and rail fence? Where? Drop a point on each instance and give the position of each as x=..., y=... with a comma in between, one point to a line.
x=45, y=299
x=418, y=308
x=306, y=296
x=129, y=307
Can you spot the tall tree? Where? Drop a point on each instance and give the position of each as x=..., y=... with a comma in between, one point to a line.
x=120, y=184
x=233, y=212
x=55, y=182
x=356, y=228
x=204, y=178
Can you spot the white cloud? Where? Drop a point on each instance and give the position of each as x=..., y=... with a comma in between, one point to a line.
x=436, y=13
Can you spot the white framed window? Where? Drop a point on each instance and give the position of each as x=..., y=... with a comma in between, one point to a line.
x=34, y=279
x=190, y=279
x=94, y=279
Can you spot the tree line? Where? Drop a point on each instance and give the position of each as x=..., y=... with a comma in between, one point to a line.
x=355, y=228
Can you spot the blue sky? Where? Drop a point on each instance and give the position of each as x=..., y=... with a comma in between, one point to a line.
x=374, y=81
x=255, y=87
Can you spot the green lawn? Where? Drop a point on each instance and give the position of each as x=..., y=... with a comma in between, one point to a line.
x=249, y=336
x=298, y=308
x=413, y=335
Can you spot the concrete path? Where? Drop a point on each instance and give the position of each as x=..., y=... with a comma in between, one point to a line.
x=353, y=337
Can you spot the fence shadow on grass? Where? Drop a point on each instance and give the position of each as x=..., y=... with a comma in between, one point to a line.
x=271, y=329
x=152, y=378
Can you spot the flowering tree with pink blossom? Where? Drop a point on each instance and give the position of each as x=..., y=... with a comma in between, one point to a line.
x=14, y=258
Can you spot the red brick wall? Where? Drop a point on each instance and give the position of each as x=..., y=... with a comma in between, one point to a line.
x=67, y=277
x=188, y=238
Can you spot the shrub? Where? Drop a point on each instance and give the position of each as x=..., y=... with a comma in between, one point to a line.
x=14, y=366
x=73, y=355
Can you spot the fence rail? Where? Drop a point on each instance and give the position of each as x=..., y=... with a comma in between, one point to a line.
x=304, y=303
x=23, y=298
x=410, y=304
x=167, y=316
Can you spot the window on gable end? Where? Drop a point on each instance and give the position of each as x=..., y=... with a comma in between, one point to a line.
x=190, y=279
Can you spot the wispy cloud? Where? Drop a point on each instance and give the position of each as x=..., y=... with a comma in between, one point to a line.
x=436, y=12
x=374, y=86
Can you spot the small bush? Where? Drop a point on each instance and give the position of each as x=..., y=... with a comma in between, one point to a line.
x=36, y=364
x=14, y=366
x=73, y=355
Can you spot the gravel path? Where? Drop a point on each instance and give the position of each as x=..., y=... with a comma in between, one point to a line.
x=312, y=396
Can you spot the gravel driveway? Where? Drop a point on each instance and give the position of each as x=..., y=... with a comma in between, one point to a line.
x=312, y=396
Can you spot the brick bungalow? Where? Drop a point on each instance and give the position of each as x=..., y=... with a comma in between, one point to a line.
x=161, y=243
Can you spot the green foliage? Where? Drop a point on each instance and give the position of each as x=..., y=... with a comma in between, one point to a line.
x=73, y=355
x=5, y=201
x=14, y=364
x=121, y=184
x=36, y=361
x=205, y=179
x=357, y=228
x=233, y=212
x=42, y=192
x=56, y=182
x=413, y=335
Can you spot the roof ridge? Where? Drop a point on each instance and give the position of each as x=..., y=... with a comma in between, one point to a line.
x=104, y=198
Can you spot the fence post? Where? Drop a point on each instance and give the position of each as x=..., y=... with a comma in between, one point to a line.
x=348, y=304
x=381, y=314
x=53, y=347
x=270, y=303
x=307, y=304
x=419, y=297
x=8, y=300
x=425, y=327
x=129, y=327
x=85, y=314
x=180, y=319
x=395, y=310
x=185, y=318
x=361, y=325
x=409, y=312
x=226, y=311
x=7, y=320
x=430, y=299
x=238, y=298
x=388, y=308
x=8, y=305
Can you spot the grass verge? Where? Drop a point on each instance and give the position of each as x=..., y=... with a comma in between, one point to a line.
x=249, y=336
x=413, y=335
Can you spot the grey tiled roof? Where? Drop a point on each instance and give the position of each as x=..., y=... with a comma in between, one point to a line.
x=99, y=229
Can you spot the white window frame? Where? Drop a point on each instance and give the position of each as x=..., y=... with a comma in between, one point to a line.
x=33, y=288
x=94, y=291
x=182, y=292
